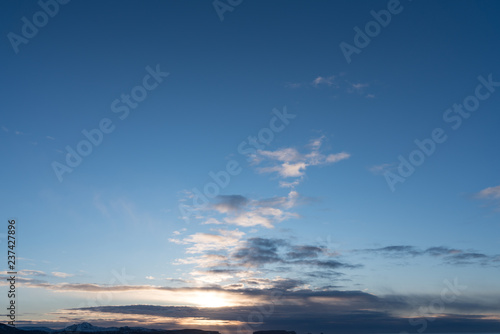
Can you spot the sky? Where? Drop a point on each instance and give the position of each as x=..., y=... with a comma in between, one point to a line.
x=315, y=166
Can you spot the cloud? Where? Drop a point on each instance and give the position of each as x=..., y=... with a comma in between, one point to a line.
x=241, y=211
x=492, y=195
x=293, y=85
x=305, y=252
x=359, y=86
x=289, y=163
x=397, y=251
x=449, y=256
x=27, y=272
x=380, y=169
x=31, y=273
x=256, y=257
x=182, y=230
x=329, y=311
x=205, y=260
x=284, y=302
x=258, y=252
x=329, y=81
x=227, y=203
x=62, y=275
x=202, y=242
x=212, y=221
x=333, y=82
x=286, y=154
x=284, y=184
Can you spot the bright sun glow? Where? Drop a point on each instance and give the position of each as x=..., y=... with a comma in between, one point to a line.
x=210, y=299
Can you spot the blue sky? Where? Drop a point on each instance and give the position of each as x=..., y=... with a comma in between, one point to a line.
x=313, y=211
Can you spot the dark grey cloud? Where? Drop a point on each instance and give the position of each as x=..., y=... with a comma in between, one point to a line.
x=470, y=258
x=230, y=202
x=397, y=251
x=238, y=202
x=260, y=251
x=304, y=252
x=330, y=312
x=440, y=251
x=257, y=252
x=324, y=274
x=451, y=256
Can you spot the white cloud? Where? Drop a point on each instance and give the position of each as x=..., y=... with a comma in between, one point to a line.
x=293, y=184
x=205, y=260
x=212, y=221
x=202, y=242
x=324, y=81
x=294, y=164
x=490, y=193
x=286, y=154
x=359, y=86
x=179, y=232
x=380, y=169
x=61, y=275
x=28, y=272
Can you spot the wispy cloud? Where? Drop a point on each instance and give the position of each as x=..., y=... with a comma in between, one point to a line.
x=336, y=82
x=359, y=86
x=61, y=274
x=490, y=193
x=451, y=256
x=179, y=232
x=329, y=81
x=290, y=163
x=202, y=242
x=491, y=196
x=293, y=85
x=380, y=169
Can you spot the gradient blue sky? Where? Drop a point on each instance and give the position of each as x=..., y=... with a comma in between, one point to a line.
x=118, y=211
